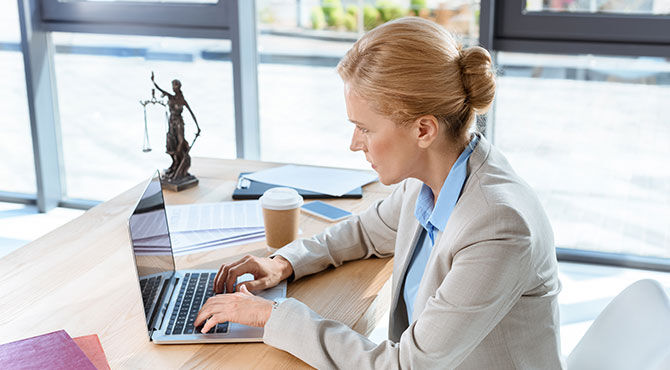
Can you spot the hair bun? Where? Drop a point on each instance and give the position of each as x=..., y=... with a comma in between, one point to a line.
x=478, y=77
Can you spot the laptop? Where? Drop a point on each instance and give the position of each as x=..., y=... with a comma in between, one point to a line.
x=172, y=298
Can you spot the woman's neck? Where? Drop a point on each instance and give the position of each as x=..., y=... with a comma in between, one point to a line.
x=438, y=164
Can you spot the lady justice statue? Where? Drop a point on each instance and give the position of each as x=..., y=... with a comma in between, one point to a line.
x=176, y=177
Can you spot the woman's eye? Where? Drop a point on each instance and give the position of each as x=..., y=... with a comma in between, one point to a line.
x=363, y=130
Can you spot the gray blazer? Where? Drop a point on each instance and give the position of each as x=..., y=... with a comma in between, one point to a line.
x=488, y=296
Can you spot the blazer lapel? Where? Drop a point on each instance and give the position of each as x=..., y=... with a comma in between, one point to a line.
x=398, y=323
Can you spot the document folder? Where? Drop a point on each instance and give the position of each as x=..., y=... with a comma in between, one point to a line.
x=249, y=189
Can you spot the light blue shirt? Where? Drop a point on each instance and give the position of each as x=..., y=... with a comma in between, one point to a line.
x=434, y=220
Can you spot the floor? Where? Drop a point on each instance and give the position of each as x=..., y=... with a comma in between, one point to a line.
x=587, y=289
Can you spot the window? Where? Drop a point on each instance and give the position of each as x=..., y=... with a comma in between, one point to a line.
x=17, y=169
x=599, y=68
x=101, y=80
x=95, y=90
x=592, y=139
x=303, y=117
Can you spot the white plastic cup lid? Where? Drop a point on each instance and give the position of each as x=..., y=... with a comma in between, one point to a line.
x=280, y=199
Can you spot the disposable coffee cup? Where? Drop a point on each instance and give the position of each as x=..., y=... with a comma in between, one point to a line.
x=281, y=211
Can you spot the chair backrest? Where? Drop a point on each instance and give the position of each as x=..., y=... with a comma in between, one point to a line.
x=632, y=332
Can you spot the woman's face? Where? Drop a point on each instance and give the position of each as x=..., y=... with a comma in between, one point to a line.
x=391, y=150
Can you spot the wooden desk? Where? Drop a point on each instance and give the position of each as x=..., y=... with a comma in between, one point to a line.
x=81, y=278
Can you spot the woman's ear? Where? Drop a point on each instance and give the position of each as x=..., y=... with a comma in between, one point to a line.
x=427, y=129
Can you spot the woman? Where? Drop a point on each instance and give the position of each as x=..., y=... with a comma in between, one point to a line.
x=475, y=274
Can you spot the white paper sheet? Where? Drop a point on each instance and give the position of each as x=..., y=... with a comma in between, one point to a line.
x=331, y=181
x=210, y=216
x=216, y=245
x=179, y=250
x=195, y=238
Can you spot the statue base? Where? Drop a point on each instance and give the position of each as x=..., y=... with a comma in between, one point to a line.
x=179, y=184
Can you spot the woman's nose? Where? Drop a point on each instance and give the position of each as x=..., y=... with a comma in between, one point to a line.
x=356, y=142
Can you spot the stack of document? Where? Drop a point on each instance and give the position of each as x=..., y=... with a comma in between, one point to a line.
x=198, y=227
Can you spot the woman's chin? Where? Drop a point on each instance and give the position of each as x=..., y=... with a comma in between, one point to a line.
x=386, y=180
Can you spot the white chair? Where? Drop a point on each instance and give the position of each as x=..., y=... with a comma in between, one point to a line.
x=632, y=332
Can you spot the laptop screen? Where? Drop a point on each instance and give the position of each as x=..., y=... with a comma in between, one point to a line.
x=151, y=243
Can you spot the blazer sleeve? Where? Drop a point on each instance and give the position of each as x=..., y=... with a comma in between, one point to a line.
x=486, y=279
x=372, y=232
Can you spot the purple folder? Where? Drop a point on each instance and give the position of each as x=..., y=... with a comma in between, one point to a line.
x=55, y=350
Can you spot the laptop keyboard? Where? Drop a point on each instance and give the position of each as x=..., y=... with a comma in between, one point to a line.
x=150, y=288
x=195, y=290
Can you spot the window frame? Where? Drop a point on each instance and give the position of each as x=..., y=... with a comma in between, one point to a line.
x=505, y=26
x=140, y=18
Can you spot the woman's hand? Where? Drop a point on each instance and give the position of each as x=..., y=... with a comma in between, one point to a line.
x=241, y=307
x=267, y=272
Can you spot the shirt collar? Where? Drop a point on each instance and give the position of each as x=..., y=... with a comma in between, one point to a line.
x=438, y=216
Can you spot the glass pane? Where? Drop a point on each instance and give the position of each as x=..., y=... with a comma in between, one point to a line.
x=303, y=116
x=341, y=19
x=655, y=7
x=592, y=137
x=101, y=81
x=17, y=169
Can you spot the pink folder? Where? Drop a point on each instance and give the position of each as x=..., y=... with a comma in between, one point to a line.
x=55, y=350
x=92, y=347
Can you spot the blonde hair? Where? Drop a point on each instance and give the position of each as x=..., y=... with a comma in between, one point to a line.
x=412, y=67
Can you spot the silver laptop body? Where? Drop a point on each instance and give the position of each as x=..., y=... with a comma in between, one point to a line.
x=164, y=289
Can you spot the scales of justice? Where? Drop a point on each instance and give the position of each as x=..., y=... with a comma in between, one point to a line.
x=176, y=177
